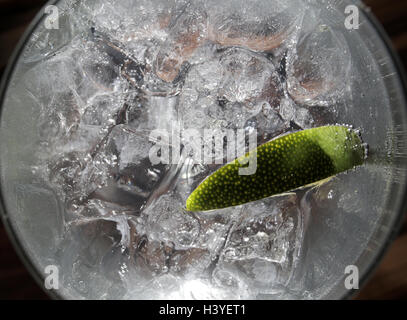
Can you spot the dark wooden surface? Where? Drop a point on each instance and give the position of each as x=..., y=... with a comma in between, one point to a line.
x=388, y=282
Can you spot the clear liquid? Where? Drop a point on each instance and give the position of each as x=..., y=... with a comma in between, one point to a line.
x=101, y=93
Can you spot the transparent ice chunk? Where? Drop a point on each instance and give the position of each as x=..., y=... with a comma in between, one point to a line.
x=291, y=112
x=226, y=88
x=262, y=246
x=255, y=25
x=168, y=221
x=318, y=68
x=93, y=253
x=263, y=234
x=187, y=29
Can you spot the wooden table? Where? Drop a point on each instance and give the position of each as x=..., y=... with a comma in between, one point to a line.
x=388, y=282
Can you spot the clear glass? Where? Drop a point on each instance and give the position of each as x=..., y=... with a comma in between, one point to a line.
x=117, y=229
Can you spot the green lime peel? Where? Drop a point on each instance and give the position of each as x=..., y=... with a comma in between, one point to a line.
x=286, y=163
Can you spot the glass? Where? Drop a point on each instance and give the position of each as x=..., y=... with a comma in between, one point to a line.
x=78, y=107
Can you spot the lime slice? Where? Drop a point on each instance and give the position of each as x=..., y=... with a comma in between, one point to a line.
x=283, y=164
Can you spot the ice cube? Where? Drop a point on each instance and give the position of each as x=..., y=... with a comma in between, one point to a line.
x=263, y=234
x=255, y=25
x=268, y=123
x=318, y=68
x=91, y=255
x=79, y=174
x=135, y=175
x=57, y=74
x=169, y=222
x=60, y=118
x=100, y=67
x=291, y=112
x=226, y=91
x=187, y=29
x=152, y=258
x=76, y=175
x=264, y=242
x=249, y=78
x=102, y=109
x=117, y=17
x=160, y=114
x=191, y=261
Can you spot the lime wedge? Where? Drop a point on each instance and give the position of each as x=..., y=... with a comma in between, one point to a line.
x=283, y=164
